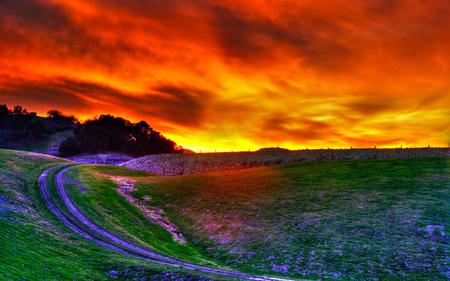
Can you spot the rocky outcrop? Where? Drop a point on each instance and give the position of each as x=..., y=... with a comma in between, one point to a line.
x=183, y=164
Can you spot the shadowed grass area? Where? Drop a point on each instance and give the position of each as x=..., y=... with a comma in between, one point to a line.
x=35, y=246
x=360, y=220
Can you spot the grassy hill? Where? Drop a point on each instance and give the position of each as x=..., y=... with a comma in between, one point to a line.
x=338, y=220
x=344, y=220
x=35, y=246
x=95, y=195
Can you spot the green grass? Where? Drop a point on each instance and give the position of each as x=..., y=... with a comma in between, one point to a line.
x=95, y=195
x=30, y=246
x=35, y=246
x=345, y=220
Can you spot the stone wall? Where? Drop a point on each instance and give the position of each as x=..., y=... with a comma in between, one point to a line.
x=183, y=164
x=101, y=158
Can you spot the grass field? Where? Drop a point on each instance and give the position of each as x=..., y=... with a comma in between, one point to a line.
x=344, y=220
x=95, y=195
x=35, y=246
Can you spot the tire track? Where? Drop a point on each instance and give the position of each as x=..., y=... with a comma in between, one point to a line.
x=81, y=225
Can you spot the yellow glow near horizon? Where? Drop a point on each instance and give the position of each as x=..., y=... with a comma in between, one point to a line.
x=238, y=75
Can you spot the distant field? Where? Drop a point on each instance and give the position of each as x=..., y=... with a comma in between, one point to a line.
x=343, y=220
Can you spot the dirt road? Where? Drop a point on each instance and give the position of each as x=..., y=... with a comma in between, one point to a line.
x=80, y=224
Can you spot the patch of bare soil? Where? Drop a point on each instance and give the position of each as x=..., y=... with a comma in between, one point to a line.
x=155, y=215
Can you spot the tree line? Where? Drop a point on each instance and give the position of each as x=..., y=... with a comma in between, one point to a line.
x=19, y=128
x=106, y=133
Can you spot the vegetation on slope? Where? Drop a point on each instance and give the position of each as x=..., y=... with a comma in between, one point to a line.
x=95, y=194
x=35, y=246
x=64, y=135
x=20, y=129
x=378, y=219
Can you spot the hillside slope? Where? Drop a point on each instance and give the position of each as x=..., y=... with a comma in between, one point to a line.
x=339, y=220
x=36, y=246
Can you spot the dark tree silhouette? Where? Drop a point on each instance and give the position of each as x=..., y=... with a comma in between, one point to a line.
x=19, y=111
x=108, y=133
x=59, y=116
x=19, y=128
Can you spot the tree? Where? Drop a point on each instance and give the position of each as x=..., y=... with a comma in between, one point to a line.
x=18, y=110
x=59, y=116
x=71, y=146
x=4, y=115
x=18, y=127
x=4, y=111
x=109, y=133
x=54, y=114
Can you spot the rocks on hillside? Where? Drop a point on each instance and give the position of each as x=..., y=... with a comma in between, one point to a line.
x=101, y=158
x=183, y=164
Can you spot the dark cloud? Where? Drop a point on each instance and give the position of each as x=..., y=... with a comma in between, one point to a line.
x=50, y=29
x=160, y=9
x=315, y=40
x=371, y=107
x=322, y=40
x=279, y=128
x=34, y=14
x=178, y=105
x=382, y=8
x=245, y=38
x=41, y=25
x=334, y=40
x=41, y=94
x=185, y=106
x=23, y=24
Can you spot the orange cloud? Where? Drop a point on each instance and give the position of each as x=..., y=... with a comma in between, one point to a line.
x=238, y=75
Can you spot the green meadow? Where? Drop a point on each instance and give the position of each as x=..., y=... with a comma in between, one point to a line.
x=34, y=245
x=332, y=220
x=336, y=220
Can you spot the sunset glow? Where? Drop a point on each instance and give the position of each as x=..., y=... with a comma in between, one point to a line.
x=238, y=75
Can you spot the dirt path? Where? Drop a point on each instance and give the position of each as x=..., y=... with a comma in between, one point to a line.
x=81, y=225
x=155, y=215
x=56, y=140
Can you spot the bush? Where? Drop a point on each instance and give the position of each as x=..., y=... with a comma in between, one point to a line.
x=71, y=146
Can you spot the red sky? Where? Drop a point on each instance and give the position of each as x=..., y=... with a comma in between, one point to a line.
x=238, y=75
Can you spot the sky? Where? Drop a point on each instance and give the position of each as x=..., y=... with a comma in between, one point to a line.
x=238, y=75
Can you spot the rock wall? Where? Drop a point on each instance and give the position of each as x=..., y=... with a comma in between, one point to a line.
x=101, y=158
x=184, y=164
